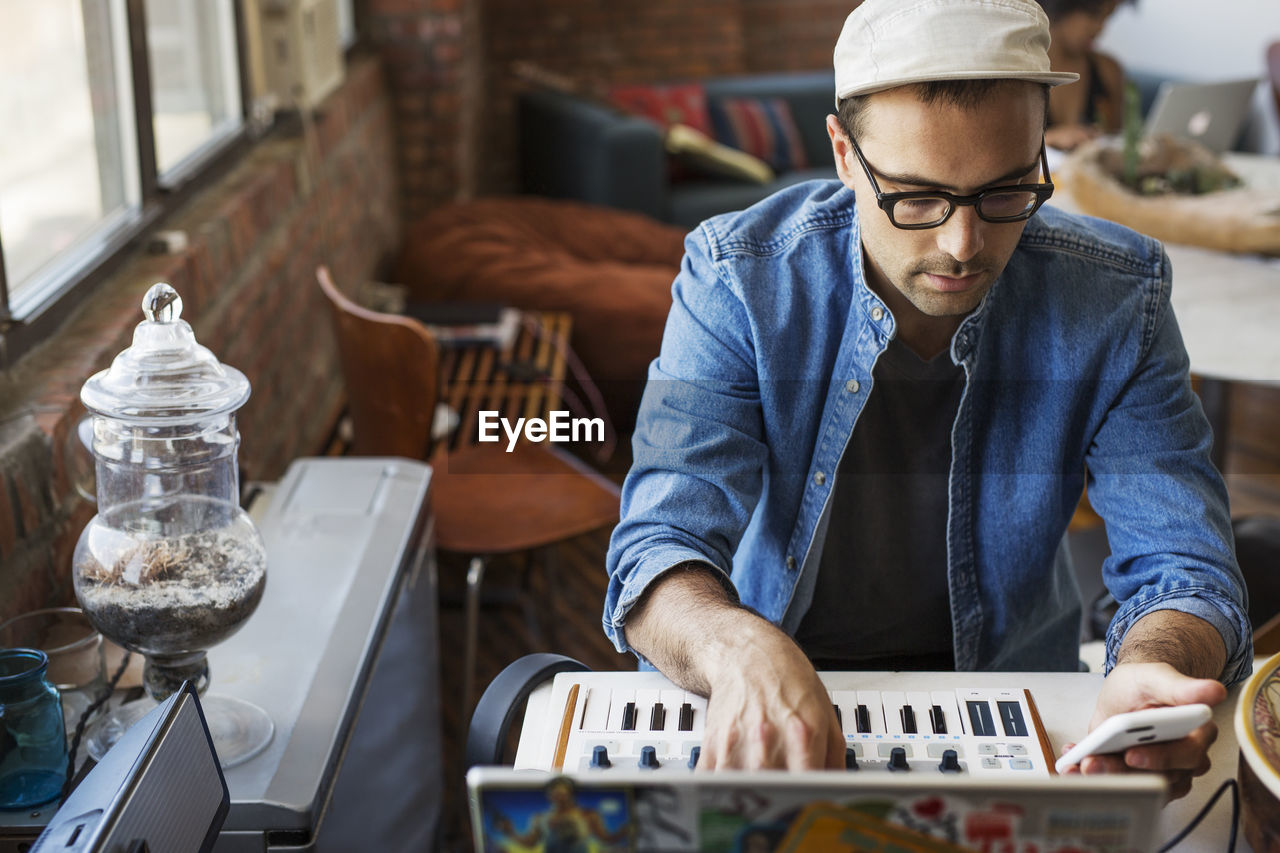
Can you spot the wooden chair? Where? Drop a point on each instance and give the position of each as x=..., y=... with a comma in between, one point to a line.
x=485, y=501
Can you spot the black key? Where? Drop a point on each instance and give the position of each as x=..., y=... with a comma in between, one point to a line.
x=1011, y=719
x=938, y=719
x=657, y=718
x=908, y=715
x=686, y=717
x=850, y=759
x=839, y=716
x=980, y=719
x=629, y=717
x=694, y=754
x=863, y=719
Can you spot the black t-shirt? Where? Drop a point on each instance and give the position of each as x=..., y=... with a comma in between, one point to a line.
x=881, y=599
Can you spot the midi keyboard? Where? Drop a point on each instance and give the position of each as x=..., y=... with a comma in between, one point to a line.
x=602, y=722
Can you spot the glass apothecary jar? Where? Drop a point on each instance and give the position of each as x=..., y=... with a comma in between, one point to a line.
x=171, y=564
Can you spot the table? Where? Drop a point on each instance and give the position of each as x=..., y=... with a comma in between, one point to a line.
x=1227, y=305
x=525, y=380
x=1065, y=702
x=344, y=637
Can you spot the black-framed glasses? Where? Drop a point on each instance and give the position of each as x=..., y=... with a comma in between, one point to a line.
x=930, y=208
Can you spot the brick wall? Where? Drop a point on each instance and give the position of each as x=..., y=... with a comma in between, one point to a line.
x=449, y=65
x=795, y=35
x=248, y=289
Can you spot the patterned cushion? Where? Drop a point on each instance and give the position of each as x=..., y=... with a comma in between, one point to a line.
x=762, y=127
x=685, y=104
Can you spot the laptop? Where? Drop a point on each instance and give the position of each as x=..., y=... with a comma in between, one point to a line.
x=1212, y=114
x=743, y=812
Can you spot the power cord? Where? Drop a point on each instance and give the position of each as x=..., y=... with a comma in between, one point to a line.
x=84, y=721
x=1195, y=821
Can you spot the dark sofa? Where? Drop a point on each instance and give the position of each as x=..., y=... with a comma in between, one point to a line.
x=578, y=149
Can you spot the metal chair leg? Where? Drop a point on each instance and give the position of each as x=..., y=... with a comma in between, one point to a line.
x=475, y=575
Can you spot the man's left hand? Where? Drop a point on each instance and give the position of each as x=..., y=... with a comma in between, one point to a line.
x=1132, y=686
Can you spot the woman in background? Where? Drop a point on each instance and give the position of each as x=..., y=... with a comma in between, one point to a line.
x=1096, y=103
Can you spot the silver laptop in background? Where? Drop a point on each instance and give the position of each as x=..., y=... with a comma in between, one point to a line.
x=1212, y=114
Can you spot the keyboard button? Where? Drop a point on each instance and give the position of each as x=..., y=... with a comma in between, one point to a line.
x=1020, y=763
x=991, y=763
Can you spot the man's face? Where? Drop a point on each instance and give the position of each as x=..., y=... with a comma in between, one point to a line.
x=940, y=272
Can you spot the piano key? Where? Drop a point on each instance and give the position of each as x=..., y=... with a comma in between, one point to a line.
x=672, y=701
x=839, y=715
x=893, y=701
x=617, y=705
x=907, y=716
x=595, y=711
x=629, y=717
x=937, y=720
x=946, y=700
x=1012, y=720
x=645, y=700
x=657, y=718
x=875, y=710
x=920, y=703
x=863, y=719
x=846, y=702
x=686, y=717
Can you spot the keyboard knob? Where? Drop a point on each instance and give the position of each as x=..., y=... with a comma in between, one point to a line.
x=649, y=758
x=898, y=759
x=950, y=762
x=600, y=757
x=694, y=755
x=850, y=759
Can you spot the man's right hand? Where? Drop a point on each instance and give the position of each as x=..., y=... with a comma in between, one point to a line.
x=767, y=707
x=771, y=710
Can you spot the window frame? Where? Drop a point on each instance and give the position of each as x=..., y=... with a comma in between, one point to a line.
x=83, y=268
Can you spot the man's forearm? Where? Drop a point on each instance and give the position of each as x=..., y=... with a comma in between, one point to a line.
x=685, y=624
x=1187, y=643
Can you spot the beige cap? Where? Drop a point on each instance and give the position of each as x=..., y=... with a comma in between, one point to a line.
x=888, y=43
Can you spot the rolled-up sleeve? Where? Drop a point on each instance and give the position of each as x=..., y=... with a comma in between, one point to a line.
x=698, y=448
x=1164, y=503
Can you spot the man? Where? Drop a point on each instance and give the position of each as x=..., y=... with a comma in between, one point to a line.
x=875, y=406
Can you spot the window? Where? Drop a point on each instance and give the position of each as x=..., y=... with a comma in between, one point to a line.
x=83, y=169
x=195, y=82
x=68, y=174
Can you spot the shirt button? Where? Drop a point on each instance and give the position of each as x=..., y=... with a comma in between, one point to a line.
x=852, y=386
x=877, y=313
x=791, y=563
x=819, y=478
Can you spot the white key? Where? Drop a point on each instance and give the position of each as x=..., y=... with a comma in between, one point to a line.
x=671, y=702
x=920, y=703
x=699, y=706
x=875, y=709
x=892, y=702
x=847, y=701
x=595, y=710
x=617, y=703
x=947, y=701
x=645, y=700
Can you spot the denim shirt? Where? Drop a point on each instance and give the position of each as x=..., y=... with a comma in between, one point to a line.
x=1074, y=370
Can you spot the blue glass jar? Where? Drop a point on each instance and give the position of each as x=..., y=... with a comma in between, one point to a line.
x=33, y=743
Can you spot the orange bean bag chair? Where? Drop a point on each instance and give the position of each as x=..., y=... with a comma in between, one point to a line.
x=610, y=269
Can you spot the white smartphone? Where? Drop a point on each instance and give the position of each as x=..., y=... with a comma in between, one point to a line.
x=1134, y=728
